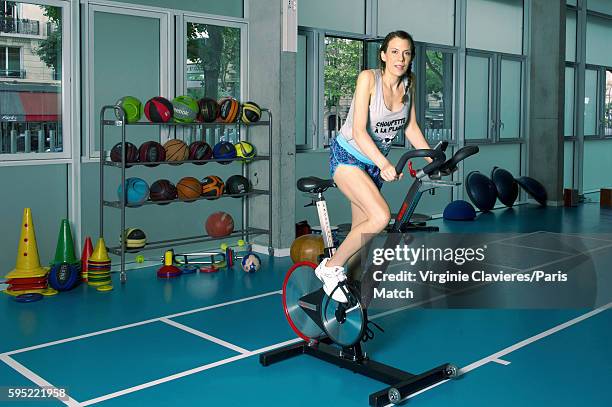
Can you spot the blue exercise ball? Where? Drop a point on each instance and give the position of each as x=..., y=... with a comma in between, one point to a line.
x=459, y=210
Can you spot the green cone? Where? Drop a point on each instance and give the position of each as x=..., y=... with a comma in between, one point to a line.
x=64, y=253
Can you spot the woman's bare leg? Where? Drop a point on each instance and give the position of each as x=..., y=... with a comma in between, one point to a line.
x=359, y=188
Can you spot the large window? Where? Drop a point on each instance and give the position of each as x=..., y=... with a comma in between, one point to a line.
x=31, y=60
x=10, y=63
x=493, y=96
x=343, y=62
x=438, y=95
x=213, y=70
x=590, y=102
x=212, y=66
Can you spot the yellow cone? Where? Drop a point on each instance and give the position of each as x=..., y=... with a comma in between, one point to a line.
x=100, y=253
x=28, y=264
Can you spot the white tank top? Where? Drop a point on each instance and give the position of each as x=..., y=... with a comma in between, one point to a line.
x=383, y=125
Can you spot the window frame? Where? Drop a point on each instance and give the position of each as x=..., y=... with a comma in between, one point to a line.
x=166, y=37
x=494, y=114
x=69, y=120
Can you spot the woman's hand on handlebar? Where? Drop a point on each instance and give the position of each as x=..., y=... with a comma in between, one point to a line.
x=388, y=173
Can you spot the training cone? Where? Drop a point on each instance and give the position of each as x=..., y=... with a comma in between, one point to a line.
x=100, y=254
x=64, y=252
x=28, y=264
x=87, y=251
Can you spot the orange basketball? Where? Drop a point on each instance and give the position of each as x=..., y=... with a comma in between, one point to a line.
x=188, y=188
x=176, y=150
x=307, y=248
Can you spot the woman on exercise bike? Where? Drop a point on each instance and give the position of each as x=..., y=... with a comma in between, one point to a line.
x=382, y=106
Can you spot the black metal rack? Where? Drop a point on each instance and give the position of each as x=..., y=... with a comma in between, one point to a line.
x=245, y=230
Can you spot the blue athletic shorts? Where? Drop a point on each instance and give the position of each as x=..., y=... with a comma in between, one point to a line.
x=339, y=156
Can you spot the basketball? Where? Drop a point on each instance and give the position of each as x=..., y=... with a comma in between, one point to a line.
x=151, y=151
x=251, y=113
x=131, y=153
x=136, y=191
x=188, y=188
x=245, y=150
x=224, y=149
x=209, y=110
x=162, y=190
x=132, y=108
x=237, y=184
x=176, y=150
x=200, y=150
x=158, y=110
x=134, y=238
x=219, y=224
x=307, y=248
x=212, y=187
x=185, y=109
x=228, y=110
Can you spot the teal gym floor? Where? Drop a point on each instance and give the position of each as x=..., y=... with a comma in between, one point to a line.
x=195, y=340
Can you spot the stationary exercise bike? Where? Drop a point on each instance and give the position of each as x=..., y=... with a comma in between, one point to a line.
x=333, y=331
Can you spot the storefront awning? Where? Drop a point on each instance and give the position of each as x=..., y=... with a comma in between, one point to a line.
x=26, y=106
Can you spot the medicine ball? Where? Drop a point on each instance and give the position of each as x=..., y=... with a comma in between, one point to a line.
x=131, y=153
x=200, y=150
x=237, y=184
x=219, y=224
x=162, y=190
x=176, y=150
x=188, y=188
x=158, y=110
x=307, y=248
x=212, y=187
x=185, y=109
x=151, y=151
x=225, y=150
x=136, y=191
x=228, y=110
x=251, y=112
x=132, y=108
x=250, y=263
x=134, y=238
x=209, y=110
x=245, y=150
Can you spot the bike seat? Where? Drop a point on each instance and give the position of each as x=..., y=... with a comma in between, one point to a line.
x=314, y=184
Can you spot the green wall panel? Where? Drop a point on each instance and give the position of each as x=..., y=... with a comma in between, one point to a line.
x=126, y=62
x=43, y=188
x=230, y=8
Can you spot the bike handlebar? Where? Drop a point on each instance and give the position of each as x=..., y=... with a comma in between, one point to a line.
x=438, y=157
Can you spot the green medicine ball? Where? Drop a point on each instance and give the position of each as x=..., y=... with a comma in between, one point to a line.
x=132, y=108
x=185, y=109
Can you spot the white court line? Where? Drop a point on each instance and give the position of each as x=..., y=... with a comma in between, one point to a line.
x=186, y=373
x=534, y=248
x=496, y=356
x=501, y=362
x=204, y=335
x=580, y=235
x=534, y=338
x=34, y=378
x=104, y=331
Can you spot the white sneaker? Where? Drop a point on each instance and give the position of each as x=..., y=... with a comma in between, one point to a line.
x=331, y=276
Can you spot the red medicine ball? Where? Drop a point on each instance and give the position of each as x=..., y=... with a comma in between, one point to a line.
x=219, y=224
x=158, y=110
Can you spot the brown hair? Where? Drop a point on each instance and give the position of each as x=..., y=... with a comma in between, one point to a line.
x=383, y=48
